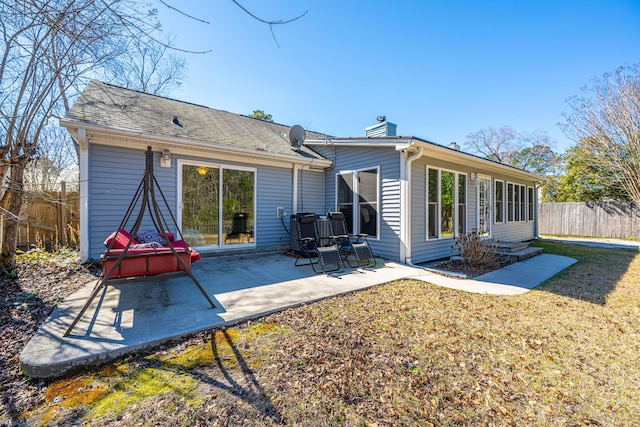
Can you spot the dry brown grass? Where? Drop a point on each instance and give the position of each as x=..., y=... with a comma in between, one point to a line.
x=406, y=353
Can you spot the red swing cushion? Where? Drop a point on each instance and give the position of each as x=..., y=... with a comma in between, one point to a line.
x=145, y=261
x=119, y=239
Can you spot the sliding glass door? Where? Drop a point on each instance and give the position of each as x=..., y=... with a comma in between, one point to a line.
x=357, y=195
x=216, y=205
x=237, y=206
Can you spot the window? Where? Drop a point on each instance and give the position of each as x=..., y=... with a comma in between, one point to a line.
x=345, y=198
x=523, y=203
x=432, y=195
x=462, y=204
x=516, y=202
x=357, y=199
x=531, y=203
x=499, y=202
x=509, y=202
x=217, y=204
x=446, y=203
x=447, y=199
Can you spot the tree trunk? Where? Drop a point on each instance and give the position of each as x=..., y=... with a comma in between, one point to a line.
x=13, y=205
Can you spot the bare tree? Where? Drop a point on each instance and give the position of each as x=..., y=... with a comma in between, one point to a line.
x=145, y=66
x=531, y=151
x=48, y=48
x=148, y=66
x=496, y=144
x=605, y=119
x=55, y=160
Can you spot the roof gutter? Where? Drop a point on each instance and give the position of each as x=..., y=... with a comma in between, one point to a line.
x=397, y=143
x=187, y=146
x=444, y=153
x=450, y=154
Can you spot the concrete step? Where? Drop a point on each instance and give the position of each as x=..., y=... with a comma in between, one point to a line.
x=512, y=246
x=522, y=254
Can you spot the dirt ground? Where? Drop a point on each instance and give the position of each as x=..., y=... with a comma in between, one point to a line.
x=471, y=271
x=27, y=297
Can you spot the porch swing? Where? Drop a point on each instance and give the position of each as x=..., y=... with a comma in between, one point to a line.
x=128, y=261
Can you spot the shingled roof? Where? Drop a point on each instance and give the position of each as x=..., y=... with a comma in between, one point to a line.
x=105, y=105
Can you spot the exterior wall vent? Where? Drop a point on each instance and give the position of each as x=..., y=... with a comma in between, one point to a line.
x=381, y=129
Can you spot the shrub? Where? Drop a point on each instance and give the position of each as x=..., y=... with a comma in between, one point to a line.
x=475, y=250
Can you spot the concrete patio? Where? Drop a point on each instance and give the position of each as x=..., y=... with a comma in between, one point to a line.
x=131, y=317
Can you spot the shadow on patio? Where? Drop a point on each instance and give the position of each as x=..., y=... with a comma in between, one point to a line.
x=131, y=317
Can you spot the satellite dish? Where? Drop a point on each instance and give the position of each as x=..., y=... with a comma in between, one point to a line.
x=297, y=135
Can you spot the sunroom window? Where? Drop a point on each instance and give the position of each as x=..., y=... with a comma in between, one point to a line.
x=446, y=203
x=516, y=202
x=499, y=201
x=530, y=201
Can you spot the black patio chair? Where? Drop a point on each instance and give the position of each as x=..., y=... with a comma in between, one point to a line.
x=239, y=227
x=356, y=247
x=319, y=252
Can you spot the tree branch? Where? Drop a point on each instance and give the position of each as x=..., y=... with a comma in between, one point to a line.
x=270, y=23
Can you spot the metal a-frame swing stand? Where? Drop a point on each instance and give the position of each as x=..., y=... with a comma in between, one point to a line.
x=145, y=194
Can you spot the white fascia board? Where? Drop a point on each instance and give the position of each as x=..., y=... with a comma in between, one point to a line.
x=123, y=138
x=449, y=154
x=397, y=143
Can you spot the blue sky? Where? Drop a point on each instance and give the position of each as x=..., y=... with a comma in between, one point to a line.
x=438, y=69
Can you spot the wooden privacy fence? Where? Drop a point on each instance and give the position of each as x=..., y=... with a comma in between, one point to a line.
x=590, y=219
x=50, y=219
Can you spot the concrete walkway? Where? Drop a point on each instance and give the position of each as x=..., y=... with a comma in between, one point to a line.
x=600, y=242
x=129, y=318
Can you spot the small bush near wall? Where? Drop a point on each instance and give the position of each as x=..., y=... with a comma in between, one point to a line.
x=475, y=250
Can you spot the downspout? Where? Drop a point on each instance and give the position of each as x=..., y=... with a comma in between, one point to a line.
x=83, y=159
x=536, y=212
x=296, y=171
x=405, y=203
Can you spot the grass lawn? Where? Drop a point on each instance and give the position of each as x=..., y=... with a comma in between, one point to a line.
x=405, y=353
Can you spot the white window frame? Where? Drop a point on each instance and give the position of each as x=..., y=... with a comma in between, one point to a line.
x=456, y=203
x=356, y=201
x=221, y=168
x=490, y=193
x=531, y=205
x=504, y=201
x=517, y=205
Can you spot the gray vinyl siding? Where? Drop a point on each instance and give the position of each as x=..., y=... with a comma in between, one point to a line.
x=115, y=174
x=310, y=192
x=514, y=232
x=274, y=190
x=388, y=160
